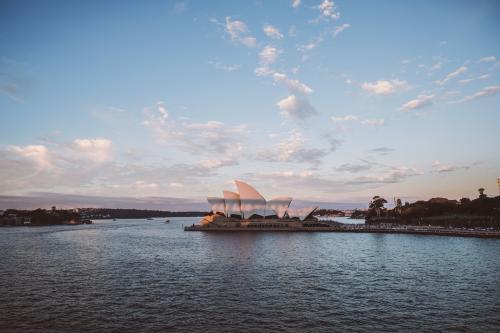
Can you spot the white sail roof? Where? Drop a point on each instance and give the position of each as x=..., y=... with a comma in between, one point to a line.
x=232, y=201
x=252, y=202
x=301, y=213
x=217, y=204
x=278, y=206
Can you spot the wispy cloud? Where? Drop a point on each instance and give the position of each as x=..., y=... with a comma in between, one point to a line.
x=239, y=32
x=488, y=59
x=373, y=122
x=348, y=117
x=385, y=87
x=471, y=79
x=340, y=28
x=303, y=48
x=294, y=149
x=394, y=175
x=420, y=102
x=362, y=121
x=380, y=150
x=328, y=10
x=488, y=91
x=272, y=32
x=354, y=168
x=181, y=6
x=296, y=3
x=198, y=138
x=454, y=74
x=223, y=67
x=293, y=86
x=267, y=56
x=448, y=168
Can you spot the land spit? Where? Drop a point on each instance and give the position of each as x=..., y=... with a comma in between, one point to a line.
x=232, y=225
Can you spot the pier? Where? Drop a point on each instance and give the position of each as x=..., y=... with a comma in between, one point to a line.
x=352, y=228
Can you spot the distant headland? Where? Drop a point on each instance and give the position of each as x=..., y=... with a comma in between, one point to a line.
x=54, y=216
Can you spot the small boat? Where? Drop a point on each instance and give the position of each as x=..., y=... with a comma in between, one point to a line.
x=149, y=218
x=167, y=221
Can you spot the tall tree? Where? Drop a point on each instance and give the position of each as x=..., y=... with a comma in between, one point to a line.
x=377, y=204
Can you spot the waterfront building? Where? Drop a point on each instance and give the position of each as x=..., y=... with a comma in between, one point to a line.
x=248, y=203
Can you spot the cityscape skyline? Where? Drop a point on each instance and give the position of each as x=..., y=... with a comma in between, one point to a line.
x=165, y=103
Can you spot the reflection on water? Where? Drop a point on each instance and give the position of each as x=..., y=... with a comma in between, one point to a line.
x=139, y=275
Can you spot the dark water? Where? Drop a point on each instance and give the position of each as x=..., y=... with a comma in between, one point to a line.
x=149, y=276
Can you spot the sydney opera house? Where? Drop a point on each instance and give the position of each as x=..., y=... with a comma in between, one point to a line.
x=247, y=207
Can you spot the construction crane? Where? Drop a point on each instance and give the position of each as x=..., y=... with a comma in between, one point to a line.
x=498, y=183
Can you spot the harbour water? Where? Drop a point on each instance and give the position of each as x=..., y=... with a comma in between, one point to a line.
x=145, y=275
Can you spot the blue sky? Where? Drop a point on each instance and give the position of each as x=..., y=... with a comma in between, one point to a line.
x=324, y=101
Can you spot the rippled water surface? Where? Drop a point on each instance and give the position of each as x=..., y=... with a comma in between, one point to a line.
x=144, y=275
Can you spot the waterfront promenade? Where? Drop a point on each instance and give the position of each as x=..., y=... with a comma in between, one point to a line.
x=358, y=228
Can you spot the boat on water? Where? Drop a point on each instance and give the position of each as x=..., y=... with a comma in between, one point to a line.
x=167, y=221
x=149, y=218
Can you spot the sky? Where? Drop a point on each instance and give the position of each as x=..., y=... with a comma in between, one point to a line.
x=161, y=103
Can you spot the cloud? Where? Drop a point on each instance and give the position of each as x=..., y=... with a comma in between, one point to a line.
x=420, y=102
x=362, y=121
x=293, y=86
x=97, y=150
x=394, y=175
x=205, y=138
x=488, y=59
x=181, y=6
x=340, y=28
x=480, y=77
x=215, y=163
x=313, y=183
x=384, y=87
x=488, y=91
x=448, y=168
x=349, y=117
x=296, y=107
x=381, y=150
x=296, y=3
x=354, y=168
x=15, y=80
x=238, y=31
x=11, y=90
x=263, y=71
x=272, y=32
x=38, y=154
x=311, y=45
x=373, y=122
x=293, y=150
x=332, y=141
x=452, y=75
x=227, y=68
x=66, y=201
x=86, y=165
x=156, y=119
x=328, y=10
x=268, y=55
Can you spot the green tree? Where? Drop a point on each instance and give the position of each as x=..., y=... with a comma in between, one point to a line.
x=377, y=204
